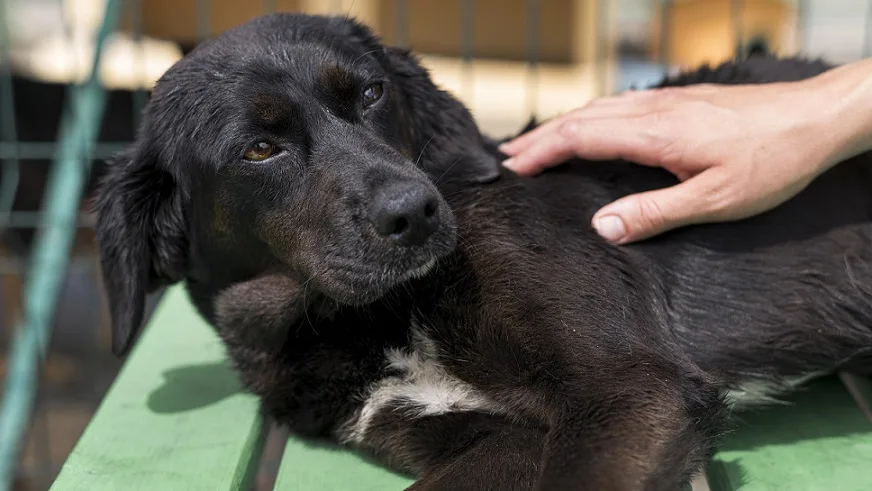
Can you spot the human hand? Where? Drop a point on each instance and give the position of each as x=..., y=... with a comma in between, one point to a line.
x=737, y=150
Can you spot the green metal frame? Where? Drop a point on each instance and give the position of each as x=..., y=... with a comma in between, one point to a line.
x=51, y=254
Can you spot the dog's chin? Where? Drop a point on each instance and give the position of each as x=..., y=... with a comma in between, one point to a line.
x=368, y=281
x=367, y=285
x=363, y=272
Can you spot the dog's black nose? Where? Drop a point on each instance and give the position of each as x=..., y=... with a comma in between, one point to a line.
x=407, y=213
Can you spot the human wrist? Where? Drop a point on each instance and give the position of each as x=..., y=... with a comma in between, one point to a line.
x=847, y=126
x=858, y=108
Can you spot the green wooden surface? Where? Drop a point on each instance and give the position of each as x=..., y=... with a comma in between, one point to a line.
x=821, y=442
x=306, y=466
x=174, y=419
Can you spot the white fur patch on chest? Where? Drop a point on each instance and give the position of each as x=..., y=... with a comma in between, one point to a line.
x=421, y=386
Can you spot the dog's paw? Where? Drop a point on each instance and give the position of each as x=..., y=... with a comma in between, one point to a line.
x=259, y=312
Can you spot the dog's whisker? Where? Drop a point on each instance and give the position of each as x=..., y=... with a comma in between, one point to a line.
x=306, y=309
x=363, y=56
x=346, y=20
x=348, y=12
x=418, y=160
x=448, y=169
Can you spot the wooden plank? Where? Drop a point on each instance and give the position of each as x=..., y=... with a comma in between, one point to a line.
x=860, y=388
x=326, y=467
x=309, y=466
x=700, y=483
x=175, y=418
x=821, y=442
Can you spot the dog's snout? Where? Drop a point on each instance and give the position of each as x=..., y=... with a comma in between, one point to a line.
x=407, y=213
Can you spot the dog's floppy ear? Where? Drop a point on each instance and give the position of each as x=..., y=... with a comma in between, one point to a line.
x=439, y=127
x=481, y=167
x=494, y=143
x=141, y=235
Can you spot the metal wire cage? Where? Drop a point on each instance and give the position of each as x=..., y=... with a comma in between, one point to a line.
x=506, y=59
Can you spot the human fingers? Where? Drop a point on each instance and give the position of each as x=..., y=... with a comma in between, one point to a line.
x=599, y=139
x=644, y=215
x=619, y=106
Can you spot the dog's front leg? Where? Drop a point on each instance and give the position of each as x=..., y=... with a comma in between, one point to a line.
x=477, y=452
x=503, y=461
x=650, y=431
x=302, y=381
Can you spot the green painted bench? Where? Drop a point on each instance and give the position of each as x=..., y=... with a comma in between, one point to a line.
x=176, y=419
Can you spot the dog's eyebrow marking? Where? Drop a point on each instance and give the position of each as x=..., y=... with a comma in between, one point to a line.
x=270, y=110
x=338, y=85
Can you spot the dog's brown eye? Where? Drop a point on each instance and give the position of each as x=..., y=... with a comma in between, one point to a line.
x=259, y=151
x=372, y=93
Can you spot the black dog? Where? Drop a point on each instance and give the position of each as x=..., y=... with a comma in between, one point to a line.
x=379, y=279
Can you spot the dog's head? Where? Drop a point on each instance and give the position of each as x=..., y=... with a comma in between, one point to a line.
x=292, y=142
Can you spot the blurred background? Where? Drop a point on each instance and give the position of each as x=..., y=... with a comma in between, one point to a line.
x=506, y=59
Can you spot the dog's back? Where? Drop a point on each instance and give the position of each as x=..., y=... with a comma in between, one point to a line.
x=792, y=287
x=775, y=298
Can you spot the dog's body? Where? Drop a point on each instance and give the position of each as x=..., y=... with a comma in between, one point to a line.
x=380, y=280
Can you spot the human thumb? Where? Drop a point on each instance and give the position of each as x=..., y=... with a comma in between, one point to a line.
x=643, y=215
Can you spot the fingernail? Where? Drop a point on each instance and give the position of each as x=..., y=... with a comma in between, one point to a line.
x=510, y=163
x=504, y=147
x=610, y=227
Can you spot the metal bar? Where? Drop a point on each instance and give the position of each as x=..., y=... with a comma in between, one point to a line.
x=736, y=7
x=49, y=150
x=204, y=23
x=534, y=34
x=51, y=255
x=467, y=40
x=603, y=44
x=402, y=25
x=598, y=37
x=801, y=25
x=665, y=21
x=41, y=432
x=76, y=265
x=139, y=95
x=32, y=219
x=867, y=31
x=8, y=130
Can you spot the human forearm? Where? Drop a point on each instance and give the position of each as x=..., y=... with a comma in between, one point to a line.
x=848, y=125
